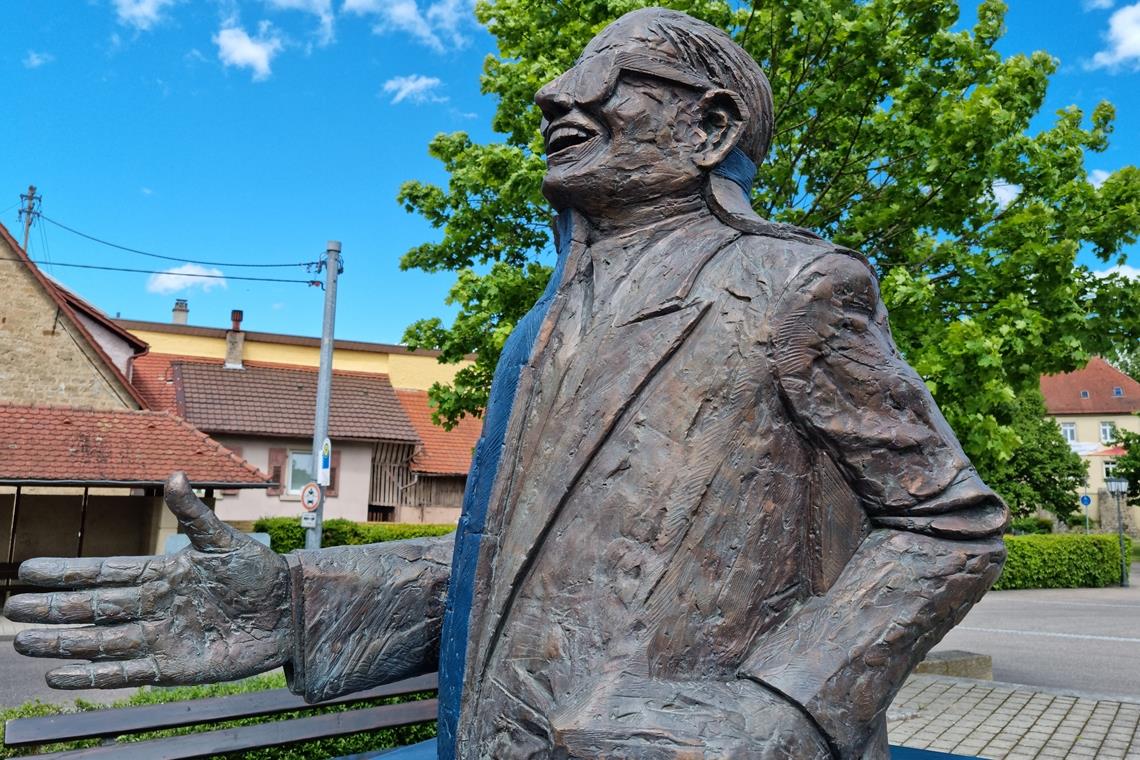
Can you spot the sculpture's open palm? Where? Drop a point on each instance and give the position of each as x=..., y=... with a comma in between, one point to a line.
x=217, y=610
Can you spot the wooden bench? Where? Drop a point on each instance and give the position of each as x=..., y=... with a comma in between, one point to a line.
x=114, y=724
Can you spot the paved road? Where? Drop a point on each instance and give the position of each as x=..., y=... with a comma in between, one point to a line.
x=22, y=679
x=1086, y=640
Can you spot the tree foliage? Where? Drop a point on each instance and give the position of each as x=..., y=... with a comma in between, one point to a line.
x=900, y=133
x=1043, y=472
x=1128, y=466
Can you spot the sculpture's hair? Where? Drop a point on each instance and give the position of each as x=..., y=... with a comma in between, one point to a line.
x=708, y=50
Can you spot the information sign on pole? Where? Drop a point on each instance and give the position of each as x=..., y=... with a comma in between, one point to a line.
x=326, y=463
x=309, y=520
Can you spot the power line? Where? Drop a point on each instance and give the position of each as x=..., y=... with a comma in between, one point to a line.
x=128, y=249
x=315, y=283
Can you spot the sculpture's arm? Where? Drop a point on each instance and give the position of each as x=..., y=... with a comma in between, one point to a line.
x=936, y=545
x=366, y=615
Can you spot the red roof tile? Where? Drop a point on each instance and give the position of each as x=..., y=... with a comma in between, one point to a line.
x=63, y=445
x=153, y=377
x=444, y=452
x=266, y=400
x=1063, y=392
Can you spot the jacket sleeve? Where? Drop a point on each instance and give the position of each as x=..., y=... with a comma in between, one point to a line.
x=935, y=543
x=366, y=615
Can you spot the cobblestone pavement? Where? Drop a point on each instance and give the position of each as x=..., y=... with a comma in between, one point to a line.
x=998, y=720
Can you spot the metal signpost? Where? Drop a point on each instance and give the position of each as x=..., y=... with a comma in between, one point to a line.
x=324, y=393
x=1085, y=502
x=1118, y=487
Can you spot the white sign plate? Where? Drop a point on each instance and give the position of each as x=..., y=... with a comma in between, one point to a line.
x=311, y=496
x=326, y=463
x=309, y=520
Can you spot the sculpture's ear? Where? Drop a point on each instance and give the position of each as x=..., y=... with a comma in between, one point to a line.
x=723, y=115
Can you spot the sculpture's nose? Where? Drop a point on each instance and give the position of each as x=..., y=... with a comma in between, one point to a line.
x=554, y=99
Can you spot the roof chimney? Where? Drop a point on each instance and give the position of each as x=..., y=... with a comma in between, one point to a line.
x=235, y=341
x=181, y=312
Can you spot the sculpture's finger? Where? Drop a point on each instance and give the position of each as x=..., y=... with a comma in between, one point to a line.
x=206, y=532
x=100, y=606
x=118, y=642
x=106, y=675
x=85, y=572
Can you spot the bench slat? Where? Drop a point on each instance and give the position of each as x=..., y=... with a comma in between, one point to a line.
x=125, y=720
x=261, y=735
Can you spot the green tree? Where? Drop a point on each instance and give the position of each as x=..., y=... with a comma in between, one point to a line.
x=1128, y=465
x=1043, y=472
x=899, y=134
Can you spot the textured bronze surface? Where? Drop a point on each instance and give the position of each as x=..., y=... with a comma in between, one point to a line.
x=727, y=519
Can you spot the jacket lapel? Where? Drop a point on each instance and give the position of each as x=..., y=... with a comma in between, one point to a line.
x=590, y=376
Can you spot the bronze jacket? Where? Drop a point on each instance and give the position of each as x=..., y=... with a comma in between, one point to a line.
x=717, y=469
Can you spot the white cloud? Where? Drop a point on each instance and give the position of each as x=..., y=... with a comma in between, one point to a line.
x=237, y=48
x=1096, y=5
x=439, y=25
x=141, y=14
x=416, y=88
x=1123, y=40
x=1005, y=193
x=182, y=277
x=1098, y=176
x=34, y=60
x=322, y=9
x=1124, y=270
x=146, y=191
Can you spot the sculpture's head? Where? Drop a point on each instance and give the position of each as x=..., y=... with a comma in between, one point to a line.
x=655, y=102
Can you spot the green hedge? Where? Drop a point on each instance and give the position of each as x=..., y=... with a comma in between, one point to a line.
x=1067, y=560
x=286, y=533
x=312, y=750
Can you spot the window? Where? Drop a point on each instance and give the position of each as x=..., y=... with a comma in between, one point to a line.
x=299, y=471
x=1069, y=431
x=1107, y=432
x=1109, y=468
x=1117, y=391
x=1084, y=394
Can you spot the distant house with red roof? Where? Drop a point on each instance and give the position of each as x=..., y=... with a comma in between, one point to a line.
x=1091, y=405
x=256, y=391
x=83, y=459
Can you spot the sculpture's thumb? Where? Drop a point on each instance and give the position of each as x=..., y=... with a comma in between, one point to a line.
x=206, y=532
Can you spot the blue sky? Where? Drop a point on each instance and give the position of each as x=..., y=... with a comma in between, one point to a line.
x=255, y=130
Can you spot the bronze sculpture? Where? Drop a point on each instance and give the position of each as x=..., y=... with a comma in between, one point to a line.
x=713, y=513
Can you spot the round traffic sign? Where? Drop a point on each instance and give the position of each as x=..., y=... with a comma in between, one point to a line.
x=311, y=496
x=1085, y=500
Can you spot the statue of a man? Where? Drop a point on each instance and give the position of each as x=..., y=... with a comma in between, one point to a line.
x=713, y=512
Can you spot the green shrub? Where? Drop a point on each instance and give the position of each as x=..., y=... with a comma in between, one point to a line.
x=286, y=533
x=1069, y=560
x=320, y=748
x=1020, y=526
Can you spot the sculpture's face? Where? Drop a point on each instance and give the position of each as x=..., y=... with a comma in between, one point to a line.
x=621, y=129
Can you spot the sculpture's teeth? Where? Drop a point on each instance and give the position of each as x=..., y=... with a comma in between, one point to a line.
x=565, y=137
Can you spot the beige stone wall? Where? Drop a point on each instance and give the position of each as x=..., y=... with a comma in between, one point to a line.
x=44, y=359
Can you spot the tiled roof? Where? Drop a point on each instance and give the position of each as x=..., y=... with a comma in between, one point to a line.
x=277, y=401
x=65, y=308
x=153, y=377
x=1099, y=378
x=444, y=452
x=63, y=445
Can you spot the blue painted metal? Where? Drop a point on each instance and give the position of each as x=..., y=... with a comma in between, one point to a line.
x=739, y=168
x=909, y=753
x=484, y=466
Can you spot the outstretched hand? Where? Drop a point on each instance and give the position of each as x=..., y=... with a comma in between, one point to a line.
x=215, y=611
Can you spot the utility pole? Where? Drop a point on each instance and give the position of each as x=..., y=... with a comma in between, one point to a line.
x=324, y=386
x=29, y=210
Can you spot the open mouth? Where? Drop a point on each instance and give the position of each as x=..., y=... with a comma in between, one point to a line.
x=564, y=136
